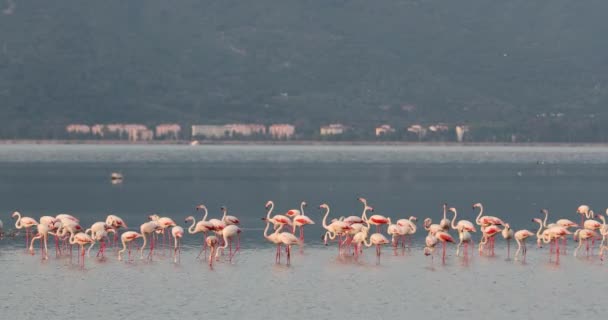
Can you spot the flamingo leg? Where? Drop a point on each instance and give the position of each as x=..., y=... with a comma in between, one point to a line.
x=288, y=249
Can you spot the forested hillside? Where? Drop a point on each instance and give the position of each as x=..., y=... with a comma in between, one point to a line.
x=534, y=68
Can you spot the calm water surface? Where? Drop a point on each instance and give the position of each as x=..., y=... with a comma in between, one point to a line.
x=512, y=182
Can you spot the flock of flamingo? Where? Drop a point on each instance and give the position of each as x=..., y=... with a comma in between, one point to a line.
x=351, y=233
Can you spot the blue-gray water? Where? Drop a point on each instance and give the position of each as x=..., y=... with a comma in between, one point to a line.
x=512, y=182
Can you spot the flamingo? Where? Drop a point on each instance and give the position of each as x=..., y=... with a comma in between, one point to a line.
x=288, y=239
x=47, y=220
x=462, y=224
x=583, y=234
x=396, y=232
x=359, y=238
x=274, y=238
x=301, y=220
x=43, y=230
x=98, y=232
x=212, y=243
x=361, y=219
x=279, y=219
x=465, y=238
x=228, y=220
x=376, y=219
x=378, y=240
x=128, y=237
x=81, y=239
x=65, y=218
x=486, y=220
x=444, y=237
x=553, y=234
x=336, y=228
x=507, y=234
x=68, y=227
x=201, y=226
x=163, y=223
x=445, y=222
x=520, y=237
x=146, y=229
x=292, y=213
x=430, y=227
x=410, y=228
x=24, y=222
x=430, y=243
x=178, y=233
x=116, y=223
x=488, y=235
x=604, y=232
x=228, y=234
x=539, y=232
x=583, y=210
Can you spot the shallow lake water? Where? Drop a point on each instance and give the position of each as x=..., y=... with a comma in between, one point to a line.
x=513, y=183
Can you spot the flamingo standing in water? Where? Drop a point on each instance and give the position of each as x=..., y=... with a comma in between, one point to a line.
x=396, y=232
x=228, y=234
x=378, y=240
x=444, y=237
x=335, y=228
x=163, y=223
x=376, y=219
x=583, y=210
x=128, y=237
x=24, y=222
x=583, y=234
x=228, y=220
x=98, y=232
x=359, y=238
x=274, y=238
x=489, y=233
x=431, y=227
x=178, y=233
x=212, y=243
x=410, y=228
x=43, y=230
x=300, y=220
x=288, y=239
x=445, y=222
x=279, y=219
x=147, y=229
x=200, y=227
x=520, y=237
x=507, y=234
x=116, y=223
x=465, y=238
x=81, y=239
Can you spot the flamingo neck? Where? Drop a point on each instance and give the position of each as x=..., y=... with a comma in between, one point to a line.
x=18, y=222
x=454, y=218
x=325, y=218
x=206, y=213
x=302, y=209
x=546, y=212
x=270, y=210
x=477, y=220
x=191, y=229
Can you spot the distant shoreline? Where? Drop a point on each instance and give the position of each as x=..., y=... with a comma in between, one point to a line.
x=296, y=143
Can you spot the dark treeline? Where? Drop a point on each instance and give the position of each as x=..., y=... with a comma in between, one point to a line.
x=523, y=70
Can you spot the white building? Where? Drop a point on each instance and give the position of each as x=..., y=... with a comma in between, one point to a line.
x=333, y=129
x=281, y=131
x=384, y=130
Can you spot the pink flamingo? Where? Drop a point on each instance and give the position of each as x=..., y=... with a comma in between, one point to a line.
x=147, y=229
x=301, y=220
x=116, y=223
x=178, y=233
x=376, y=219
x=583, y=234
x=520, y=238
x=81, y=239
x=279, y=219
x=583, y=210
x=200, y=227
x=489, y=233
x=444, y=237
x=228, y=220
x=335, y=229
x=507, y=234
x=288, y=239
x=43, y=230
x=212, y=243
x=378, y=240
x=128, y=237
x=274, y=238
x=228, y=234
x=24, y=222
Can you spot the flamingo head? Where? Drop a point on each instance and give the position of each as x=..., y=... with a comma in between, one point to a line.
x=507, y=226
x=15, y=214
x=544, y=211
x=362, y=200
x=324, y=206
x=413, y=218
x=200, y=207
x=371, y=209
x=153, y=217
x=583, y=209
x=189, y=218
x=452, y=209
x=268, y=204
x=304, y=204
x=537, y=220
x=427, y=251
x=223, y=208
x=427, y=221
x=477, y=205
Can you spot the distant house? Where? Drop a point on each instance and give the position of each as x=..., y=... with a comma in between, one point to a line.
x=122, y=130
x=170, y=131
x=418, y=130
x=460, y=132
x=440, y=127
x=333, y=129
x=139, y=134
x=246, y=129
x=227, y=130
x=209, y=131
x=78, y=129
x=97, y=130
x=384, y=130
x=281, y=131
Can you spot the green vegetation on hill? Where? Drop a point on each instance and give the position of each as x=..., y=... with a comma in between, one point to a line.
x=536, y=69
